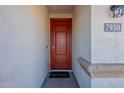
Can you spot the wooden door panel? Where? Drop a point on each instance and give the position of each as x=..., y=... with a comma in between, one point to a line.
x=60, y=43
x=60, y=59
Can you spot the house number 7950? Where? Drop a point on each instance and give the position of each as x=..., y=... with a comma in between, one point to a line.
x=112, y=27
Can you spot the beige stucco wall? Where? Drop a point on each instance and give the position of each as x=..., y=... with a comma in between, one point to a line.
x=81, y=42
x=107, y=47
x=23, y=46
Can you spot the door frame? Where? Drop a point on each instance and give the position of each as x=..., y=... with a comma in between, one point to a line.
x=50, y=34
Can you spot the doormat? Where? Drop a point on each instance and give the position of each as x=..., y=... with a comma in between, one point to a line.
x=59, y=75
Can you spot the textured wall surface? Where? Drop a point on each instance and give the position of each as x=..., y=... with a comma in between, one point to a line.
x=107, y=82
x=81, y=42
x=23, y=42
x=107, y=47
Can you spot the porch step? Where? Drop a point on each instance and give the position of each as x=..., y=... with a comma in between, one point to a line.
x=61, y=82
x=60, y=70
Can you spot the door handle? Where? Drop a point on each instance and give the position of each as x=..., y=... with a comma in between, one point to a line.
x=53, y=47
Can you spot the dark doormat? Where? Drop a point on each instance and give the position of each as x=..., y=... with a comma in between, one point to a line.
x=59, y=75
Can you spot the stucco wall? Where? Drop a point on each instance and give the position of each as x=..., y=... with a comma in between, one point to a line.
x=107, y=82
x=107, y=47
x=23, y=46
x=81, y=37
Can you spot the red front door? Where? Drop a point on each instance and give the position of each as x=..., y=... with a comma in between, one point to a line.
x=61, y=32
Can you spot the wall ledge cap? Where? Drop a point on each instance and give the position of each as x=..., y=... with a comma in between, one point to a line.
x=102, y=70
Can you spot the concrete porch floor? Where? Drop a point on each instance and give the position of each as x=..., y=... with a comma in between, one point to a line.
x=61, y=82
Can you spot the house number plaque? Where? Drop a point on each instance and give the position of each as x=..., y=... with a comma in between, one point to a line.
x=112, y=27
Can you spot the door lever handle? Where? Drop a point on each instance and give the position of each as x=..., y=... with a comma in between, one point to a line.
x=53, y=46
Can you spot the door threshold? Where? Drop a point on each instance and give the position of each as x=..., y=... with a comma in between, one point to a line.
x=60, y=70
